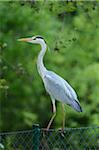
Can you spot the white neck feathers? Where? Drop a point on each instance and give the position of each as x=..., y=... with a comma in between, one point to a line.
x=40, y=66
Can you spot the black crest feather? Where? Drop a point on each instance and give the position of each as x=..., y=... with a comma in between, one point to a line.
x=40, y=37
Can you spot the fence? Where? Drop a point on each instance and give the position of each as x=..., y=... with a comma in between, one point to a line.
x=86, y=138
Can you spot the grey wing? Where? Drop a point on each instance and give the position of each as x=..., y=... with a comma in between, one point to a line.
x=59, y=88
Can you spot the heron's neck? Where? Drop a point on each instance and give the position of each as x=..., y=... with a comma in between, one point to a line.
x=40, y=65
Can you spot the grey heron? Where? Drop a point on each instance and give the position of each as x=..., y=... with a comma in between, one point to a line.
x=56, y=86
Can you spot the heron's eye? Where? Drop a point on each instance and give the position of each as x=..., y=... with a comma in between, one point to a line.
x=34, y=38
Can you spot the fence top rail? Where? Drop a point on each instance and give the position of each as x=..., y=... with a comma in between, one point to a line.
x=69, y=129
x=15, y=132
x=50, y=130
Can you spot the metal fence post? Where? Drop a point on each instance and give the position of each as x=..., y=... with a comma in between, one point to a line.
x=36, y=136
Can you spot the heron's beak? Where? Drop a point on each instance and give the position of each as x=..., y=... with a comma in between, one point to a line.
x=25, y=39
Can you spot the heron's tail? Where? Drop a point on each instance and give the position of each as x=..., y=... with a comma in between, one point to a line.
x=75, y=104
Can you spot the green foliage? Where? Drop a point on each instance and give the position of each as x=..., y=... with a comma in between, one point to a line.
x=71, y=30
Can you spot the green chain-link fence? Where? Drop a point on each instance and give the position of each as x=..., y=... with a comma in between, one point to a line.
x=86, y=138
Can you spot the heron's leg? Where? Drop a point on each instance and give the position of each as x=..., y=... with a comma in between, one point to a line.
x=52, y=118
x=63, y=122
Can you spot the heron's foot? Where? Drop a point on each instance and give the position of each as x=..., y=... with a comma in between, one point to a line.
x=61, y=129
x=45, y=129
x=62, y=132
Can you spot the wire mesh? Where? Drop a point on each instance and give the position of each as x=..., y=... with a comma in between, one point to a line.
x=20, y=140
x=86, y=138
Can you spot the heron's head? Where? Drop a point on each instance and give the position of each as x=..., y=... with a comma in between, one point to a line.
x=35, y=40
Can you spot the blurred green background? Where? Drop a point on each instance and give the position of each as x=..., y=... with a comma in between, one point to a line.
x=71, y=30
